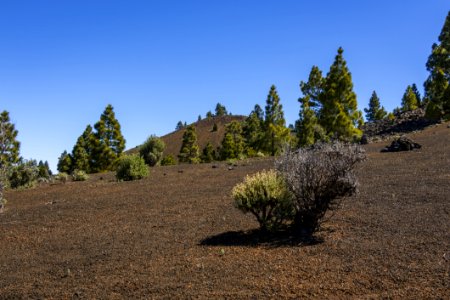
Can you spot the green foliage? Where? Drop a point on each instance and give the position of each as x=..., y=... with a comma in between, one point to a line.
x=168, y=160
x=313, y=88
x=179, y=126
x=62, y=177
x=189, y=152
x=152, y=150
x=220, y=110
x=307, y=125
x=24, y=174
x=276, y=135
x=437, y=85
x=108, y=142
x=79, y=175
x=82, y=151
x=417, y=94
x=65, y=163
x=375, y=111
x=339, y=115
x=44, y=170
x=233, y=142
x=9, y=146
x=409, y=100
x=208, y=153
x=209, y=115
x=131, y=167
x=266, y=196
x=253, y=129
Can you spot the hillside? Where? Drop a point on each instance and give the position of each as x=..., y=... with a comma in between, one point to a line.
x=204, y=134
x=177, y=235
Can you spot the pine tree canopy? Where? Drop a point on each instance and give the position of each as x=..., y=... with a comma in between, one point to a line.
x=189, y=151
x=375, y=111
x=221, y=110
x=437, y=85
x=276, y=133
x=409, y=100
x=9, y=146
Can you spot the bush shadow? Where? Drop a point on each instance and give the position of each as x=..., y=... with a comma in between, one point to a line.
x=257, y=238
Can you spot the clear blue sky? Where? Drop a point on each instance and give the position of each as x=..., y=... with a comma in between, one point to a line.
x=158, y=62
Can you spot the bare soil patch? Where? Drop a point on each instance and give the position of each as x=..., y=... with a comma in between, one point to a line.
x=177, y=235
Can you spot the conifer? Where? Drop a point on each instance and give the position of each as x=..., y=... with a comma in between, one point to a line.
x=253, y=128
x=417, y=93
x=65, y=163
x=9, y=146
x=220, y=110
x=276, y=133
x=339, y=114
x=208, y=153
x=437, y=85
x=82, y=151
x=307, y=124
x=233, y=142
x=409, y=100
x=375, y=112
x=189, y=151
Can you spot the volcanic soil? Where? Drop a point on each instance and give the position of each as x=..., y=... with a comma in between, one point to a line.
x=176, y=234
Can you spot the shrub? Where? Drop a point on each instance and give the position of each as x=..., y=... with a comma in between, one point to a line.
x=62, y=176
x=266, y=196
x=131, y=167
x=318, y=177
x=168, y=160
x=152, y=150
x=79, y=175
x=24, y=174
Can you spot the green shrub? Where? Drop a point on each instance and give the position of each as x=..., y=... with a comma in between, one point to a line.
x=24, y=174
x=152, y=150
x=168, y=160
x=62, y=176
x=266, y=196
x=79, y=175
x=131, y=167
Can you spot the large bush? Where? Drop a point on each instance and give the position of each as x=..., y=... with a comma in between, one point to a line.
x=131, y=167
x=266, y=196
x=24, y=174
x=318, y=177
x=79, y=175
x=152, y=150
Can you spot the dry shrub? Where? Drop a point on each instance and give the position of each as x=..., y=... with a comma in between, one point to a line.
x=318, y=177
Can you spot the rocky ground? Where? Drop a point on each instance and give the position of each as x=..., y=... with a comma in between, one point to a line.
x=177, y=235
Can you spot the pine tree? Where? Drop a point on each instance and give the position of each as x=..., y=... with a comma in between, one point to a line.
x=109, y=142
x=152, y=150
x=65, y=163
x=208, y=153
x=189, y=151
x=417, y=93
x=9, y=146
x=233, y=142
x=43, y=170
x=375, y=112
x=437, y=85
x=83, y=150
x=253, y=128
x=409, y=100
x=220, y=110
x=339, y=114
x=179, y=126
x=276, y=133
x=307, y=124
x=313, y=88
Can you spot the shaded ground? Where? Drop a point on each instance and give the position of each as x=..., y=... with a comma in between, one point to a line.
x=176, y=234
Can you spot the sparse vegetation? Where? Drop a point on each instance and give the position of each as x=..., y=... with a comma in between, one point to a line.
x=319, y=177
x=24, y=174
x=168, y=160
x=62, y=177
x=131, y=167
x=266, y=196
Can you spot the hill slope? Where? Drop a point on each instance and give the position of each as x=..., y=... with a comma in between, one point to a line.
x=176, y=234
x=204, y=134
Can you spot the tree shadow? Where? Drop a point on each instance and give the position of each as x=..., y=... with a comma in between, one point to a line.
x=257, y=237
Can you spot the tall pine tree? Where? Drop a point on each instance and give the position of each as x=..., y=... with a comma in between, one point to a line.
x=437, y=85
x=233, y=142
x=339, y=114
x=417, y=93
x=65, y=163
x=375, y=111
x=409, y=100
x=253, y=128
x=9, y=146
x=306, y=126
x=189, y=151
x=82, y=151
x=276, y=133
x=108, y=141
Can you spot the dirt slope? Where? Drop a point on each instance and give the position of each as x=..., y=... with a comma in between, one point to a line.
x=204, y=134
x=176, y=235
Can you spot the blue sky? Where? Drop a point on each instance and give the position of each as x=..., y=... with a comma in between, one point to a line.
x=158, y=62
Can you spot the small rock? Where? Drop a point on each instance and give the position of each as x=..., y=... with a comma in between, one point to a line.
x=401, y=144
x=214, y=166
x=230, y=168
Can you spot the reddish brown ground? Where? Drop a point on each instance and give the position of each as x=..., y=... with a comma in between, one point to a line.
x=177, y=235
